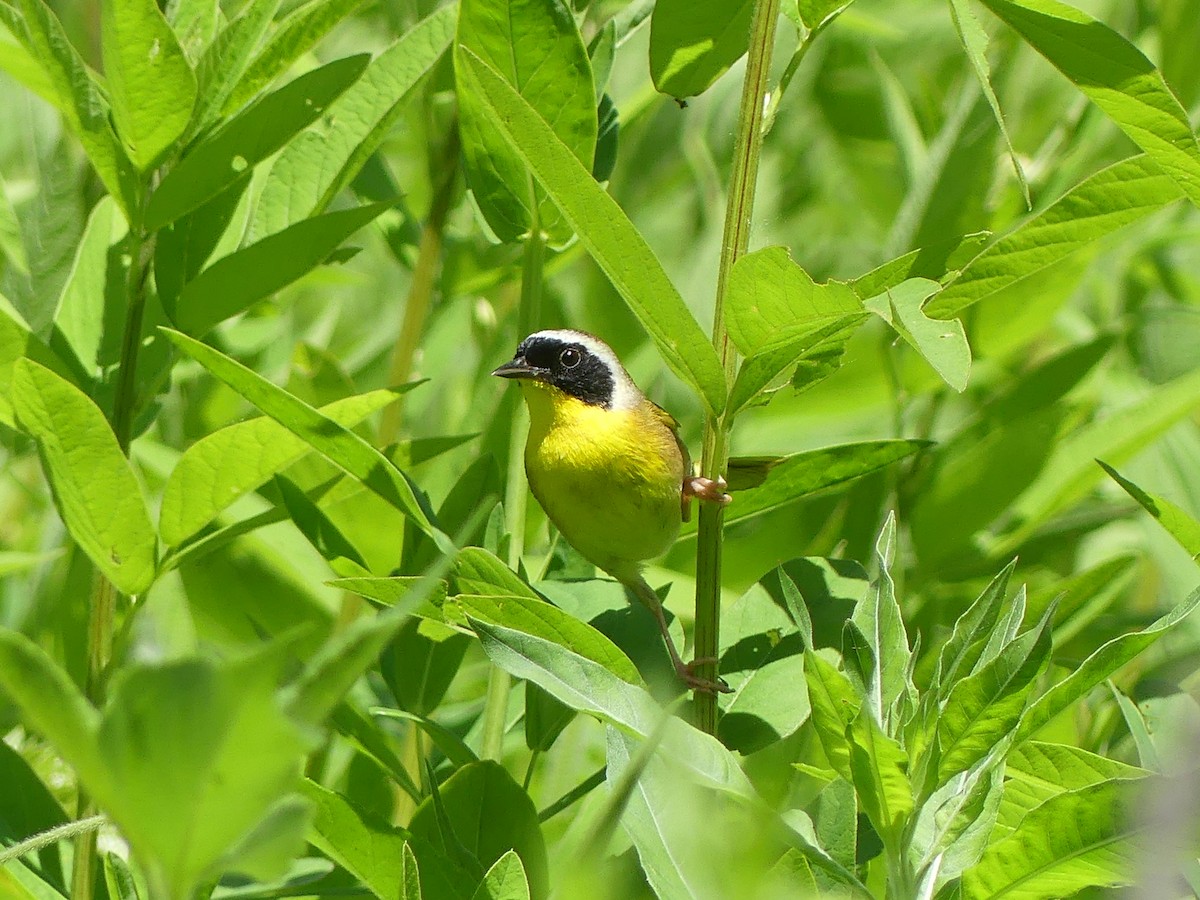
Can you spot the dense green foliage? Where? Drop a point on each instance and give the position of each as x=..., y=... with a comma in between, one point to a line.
x=277, y=617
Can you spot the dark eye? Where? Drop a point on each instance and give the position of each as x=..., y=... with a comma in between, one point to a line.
x=570, y=358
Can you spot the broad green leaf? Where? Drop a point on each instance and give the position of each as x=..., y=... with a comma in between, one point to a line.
x=231, y=461
x=298, y=33
x=1078, y=839
x=591, y=688
x=953, y=827
x=489, y=815
x=877, y=764
x=19, y=881
x=772, y=302
x=835, y=705
x=227, y=57
x=942, y=344
x=198, y=754
x=505, y=880
x=693, y=42
x=1178, y=523
x=30, y=808
x=1117, y=77
x=802, y=474
x=1112, y=198
x=50, y=703
x=195, y=23
x=390, y=591
x=19, y=63
x=974, y=41
x=835, y=819
x=535, y=49
x=1036, y=772
x=236, y=282
x=1071, y=471
x=79, y=98
x=319, y=162
x=95, y=489
x=605, y=231
x=17, y=341
x=150, y=82
x=985, y=707
x=341, y=447
x=540, y=619
x=1100, y=665
x=769, y=705
x=249, y=138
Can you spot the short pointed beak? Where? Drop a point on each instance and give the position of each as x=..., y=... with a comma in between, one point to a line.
x=516, y=368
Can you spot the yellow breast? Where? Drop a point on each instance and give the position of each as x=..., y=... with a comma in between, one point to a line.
x=608, y=479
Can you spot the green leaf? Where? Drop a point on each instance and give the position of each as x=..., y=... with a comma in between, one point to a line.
x=1178, y=523
x=247, y=139
x=454, y=748
x=1099, y=205
x=505, y=880
x=1071, y=471
x=410, y=876
x=535, y=49
x=802, y=474
x=985, y=707
x=50, y=703
x=540, y=619
x=95, y=489
x=198, y=754
x=119, y=878
x=1100, y=665
x=1078, y=839
x=239, y=458
x=320, y=531
x=590, y=688
x=943, y=344
x=341, y=447
x=420, y=663
x=835, y=706
x=94, y=296
x=322, y=160
x=693, y=42
x=877, y=765
x=958, y=656
x=477, y=571
x=815, y=13
x=974, y=41
x=226, y=59
x=30, y=808
x=79, y=98
x=17, y=341
x=878, y=618
x=1117, y=77
x=767, y=706
x=298, y=33
x=236, y=282
x=772, y=302
x=489, y=815
x=605, y=231
x=150, y=82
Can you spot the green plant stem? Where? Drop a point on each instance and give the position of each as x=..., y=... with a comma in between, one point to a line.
x=51, y=836
x=103, y=606
x=516, y=490
x=420, y=293
x=735, y=240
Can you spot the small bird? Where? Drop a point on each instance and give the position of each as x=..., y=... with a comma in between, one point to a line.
x=606, y=464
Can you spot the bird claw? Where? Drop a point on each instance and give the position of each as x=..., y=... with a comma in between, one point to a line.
x=694, y=682
x=706, y=489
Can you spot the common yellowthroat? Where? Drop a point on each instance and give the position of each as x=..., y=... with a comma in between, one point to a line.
x=605, y=463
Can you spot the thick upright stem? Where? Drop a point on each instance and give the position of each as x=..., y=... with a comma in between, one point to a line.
x=735, y=240
x=516, y=489
x=103, y=606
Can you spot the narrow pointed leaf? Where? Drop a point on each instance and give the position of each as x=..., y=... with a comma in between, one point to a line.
x=1178, y=523
x=606, y=232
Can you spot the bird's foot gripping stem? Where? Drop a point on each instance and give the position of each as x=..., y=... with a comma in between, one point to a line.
x=706, y=489
x=685, y=671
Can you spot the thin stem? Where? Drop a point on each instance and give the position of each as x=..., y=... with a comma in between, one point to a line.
x=516, y=489
x=420, y=293
x=735, y=240
x=51, y=836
